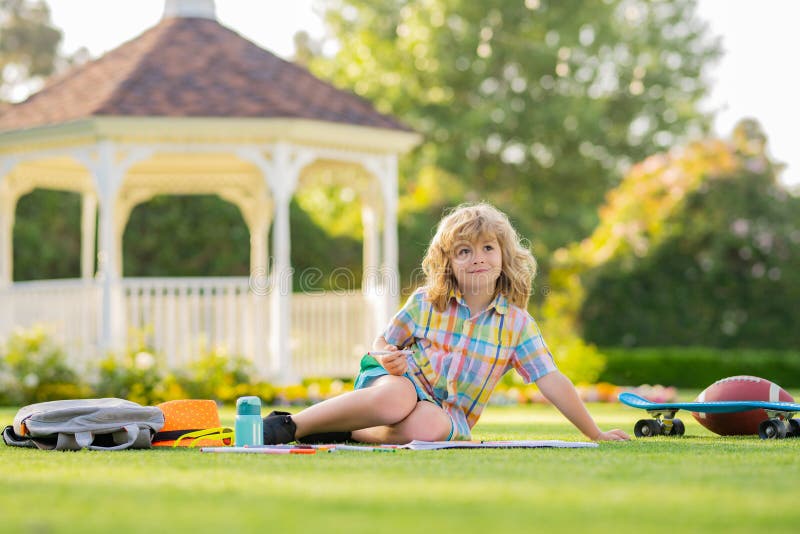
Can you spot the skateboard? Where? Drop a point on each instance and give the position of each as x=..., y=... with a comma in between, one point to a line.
x=778, y=425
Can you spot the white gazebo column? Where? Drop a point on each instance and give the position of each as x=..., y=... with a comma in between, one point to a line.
x=371, y=247
x=7, y=208
x=88, y=229
x=109, y=274
x=6, y=253
x=286, y=166
x=281, y=291
x=6, y=236
x=374, y=321
x=281, y=174
x=108, y=174
x=390, y=270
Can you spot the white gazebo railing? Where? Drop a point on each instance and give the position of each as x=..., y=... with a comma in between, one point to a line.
x=68, y=308
x=180, y=318
x=330, y=331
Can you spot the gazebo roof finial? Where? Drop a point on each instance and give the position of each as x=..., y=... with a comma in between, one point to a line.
x=190, y=8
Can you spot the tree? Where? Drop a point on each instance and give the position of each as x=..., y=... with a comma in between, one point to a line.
x=47, y=235
x=698, y=246
x=536, y=105
x=28, y=45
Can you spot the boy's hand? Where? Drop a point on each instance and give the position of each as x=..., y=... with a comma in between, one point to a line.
x=395, y=362
x=613, y=435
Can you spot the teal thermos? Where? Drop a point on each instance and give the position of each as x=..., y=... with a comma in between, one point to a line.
x=248, y=428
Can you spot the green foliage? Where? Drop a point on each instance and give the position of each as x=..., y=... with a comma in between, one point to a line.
x=698, y=367
x=139, y=374
x=28, y=44
x=222, y=377
x=698, y=247
x=580, y=361
x=33, y=368
x=316, y=254
x=332, y=199
x=136, y=375
x=183, y=235
x=535, y=106
x=320, y=388
x=731, y=279
x=47, y=235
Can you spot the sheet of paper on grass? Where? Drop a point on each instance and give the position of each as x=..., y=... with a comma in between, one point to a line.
x=511, y=444
x=415, y=445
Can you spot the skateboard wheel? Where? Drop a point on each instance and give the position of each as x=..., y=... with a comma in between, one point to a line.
x=646, y=428
x=678, y=428
x=794, y=428
x=772, y=429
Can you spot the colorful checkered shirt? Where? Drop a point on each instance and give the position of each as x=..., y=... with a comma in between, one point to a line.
x=459, y=359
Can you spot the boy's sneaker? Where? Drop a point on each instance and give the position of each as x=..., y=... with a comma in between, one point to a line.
x=278, y=428
x=325, y=437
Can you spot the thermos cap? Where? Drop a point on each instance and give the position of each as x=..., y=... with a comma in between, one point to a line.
x=248, y=406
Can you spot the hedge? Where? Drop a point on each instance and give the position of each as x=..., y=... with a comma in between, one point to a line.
x=718, y=268
x=698, y=367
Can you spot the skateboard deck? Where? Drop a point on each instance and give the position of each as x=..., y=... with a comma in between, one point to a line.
x=778, y=425
x=635, y=401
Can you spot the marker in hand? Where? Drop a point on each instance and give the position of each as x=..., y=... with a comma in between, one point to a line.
x=394, y=361
x=407, y=352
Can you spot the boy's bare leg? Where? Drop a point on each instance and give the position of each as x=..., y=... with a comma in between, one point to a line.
x=388, y=400
x=426, y=422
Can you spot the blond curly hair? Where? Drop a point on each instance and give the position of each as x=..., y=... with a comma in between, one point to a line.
x=469, y=222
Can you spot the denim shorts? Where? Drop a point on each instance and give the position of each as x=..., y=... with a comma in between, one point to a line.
x=371, y=370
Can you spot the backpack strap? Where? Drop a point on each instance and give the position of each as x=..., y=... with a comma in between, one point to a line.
x=130, y=436
x=11, y=438
x=66, y=442
x=124, y=439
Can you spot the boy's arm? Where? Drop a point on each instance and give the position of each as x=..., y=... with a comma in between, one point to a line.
x=559, y=390
x=380, y=343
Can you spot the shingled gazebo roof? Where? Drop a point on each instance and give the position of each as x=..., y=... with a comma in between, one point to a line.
x=191, y=67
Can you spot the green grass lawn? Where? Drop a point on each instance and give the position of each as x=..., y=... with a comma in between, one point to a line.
x=697, y=483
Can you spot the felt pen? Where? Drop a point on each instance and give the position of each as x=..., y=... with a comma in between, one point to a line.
x=257, y=450
x=385, y=352
x=361, y=448
x=285, y=451
x=281, y=446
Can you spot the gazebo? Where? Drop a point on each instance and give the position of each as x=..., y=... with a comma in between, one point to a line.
x=191, y=107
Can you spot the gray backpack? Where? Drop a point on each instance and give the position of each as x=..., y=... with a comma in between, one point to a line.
x=97, y=424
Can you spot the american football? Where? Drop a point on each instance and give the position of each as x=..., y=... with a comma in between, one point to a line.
x=739, y=388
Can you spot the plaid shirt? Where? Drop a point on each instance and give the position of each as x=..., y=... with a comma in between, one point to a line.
x=459, y=359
